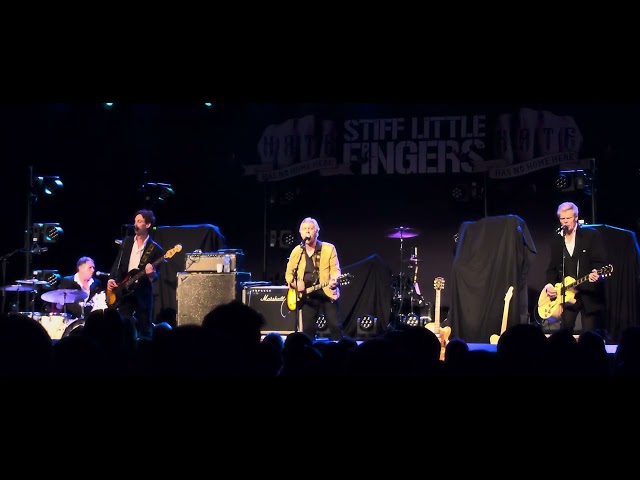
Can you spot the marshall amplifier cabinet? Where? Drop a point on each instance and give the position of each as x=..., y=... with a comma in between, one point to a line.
x=199, y=293
x=271, y=301
x=209, y=261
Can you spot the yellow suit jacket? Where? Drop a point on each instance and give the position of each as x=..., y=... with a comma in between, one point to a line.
x=329, y=267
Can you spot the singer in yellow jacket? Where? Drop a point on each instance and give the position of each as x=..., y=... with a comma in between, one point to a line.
x=312, y=273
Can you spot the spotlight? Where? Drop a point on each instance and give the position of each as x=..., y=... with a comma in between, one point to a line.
x=457, y=193
x=366, y=325
x=52, y=232
x=49, y=185
x=46, y=232
x=572, y=180
x=412, y=320
x=52, y=277
x=322, y=330
x=156, y=192
x=287, y=239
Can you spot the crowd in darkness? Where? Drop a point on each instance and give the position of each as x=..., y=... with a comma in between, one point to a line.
x=229, y=342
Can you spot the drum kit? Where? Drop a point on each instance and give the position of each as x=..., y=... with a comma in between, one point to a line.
x=408, y=304
x=56, y=325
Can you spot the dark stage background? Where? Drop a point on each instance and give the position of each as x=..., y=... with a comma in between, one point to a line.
x=104, y=155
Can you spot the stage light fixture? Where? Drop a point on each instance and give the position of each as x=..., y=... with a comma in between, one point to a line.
x=367, y=322
x=52, y=277
x=157, y=192
x=287, y=239
x=46, y=232
x=366, y=326
x=574, y=180
x=321, y=322
x=49, y=185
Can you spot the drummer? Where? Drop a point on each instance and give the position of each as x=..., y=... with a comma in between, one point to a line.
x=82, y=280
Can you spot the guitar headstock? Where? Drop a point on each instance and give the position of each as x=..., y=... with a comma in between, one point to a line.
x=438, y=283
x=606, y=270
x=345, y=278
x=509, y=293
x=172, y=251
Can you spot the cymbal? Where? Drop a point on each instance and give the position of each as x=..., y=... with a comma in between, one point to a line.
x=402, y=232
x=32, y=282
x=64, y=295
x=17, y=288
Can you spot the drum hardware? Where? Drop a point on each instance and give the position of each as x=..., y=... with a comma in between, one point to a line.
x=402, y=233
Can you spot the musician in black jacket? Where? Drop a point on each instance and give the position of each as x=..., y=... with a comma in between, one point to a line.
x=137, y=254
x=577, y=252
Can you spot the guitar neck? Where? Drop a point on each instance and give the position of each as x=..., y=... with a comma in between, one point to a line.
x=138, y=275
x=505, y=310
x=316, y=287
x=437, y=312
x=577, y=282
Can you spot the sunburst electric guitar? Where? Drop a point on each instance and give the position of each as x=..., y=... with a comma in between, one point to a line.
x=441, y=332
x=293, y=296
x=551, y=310
x=127, y=285
x=505, y=313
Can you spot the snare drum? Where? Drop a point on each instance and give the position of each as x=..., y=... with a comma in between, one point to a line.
x=55, y=325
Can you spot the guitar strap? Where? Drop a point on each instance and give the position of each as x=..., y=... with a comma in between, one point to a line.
x=145, y=254
x=316, y=262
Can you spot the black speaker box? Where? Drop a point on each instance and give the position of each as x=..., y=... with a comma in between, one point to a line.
x=199, y=293
x=271, y=301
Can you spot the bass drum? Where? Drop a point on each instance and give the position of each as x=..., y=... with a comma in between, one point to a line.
x=74, y=328
x=55, y=325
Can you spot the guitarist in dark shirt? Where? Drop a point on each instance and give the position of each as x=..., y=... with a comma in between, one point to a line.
x=581, y=251
x=136, y=257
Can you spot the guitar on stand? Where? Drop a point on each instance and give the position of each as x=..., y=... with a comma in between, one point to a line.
x=505, y=313
x=441, y=332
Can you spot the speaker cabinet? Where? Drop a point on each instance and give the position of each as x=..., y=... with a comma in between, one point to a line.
x=271, y=301
x=199, y=293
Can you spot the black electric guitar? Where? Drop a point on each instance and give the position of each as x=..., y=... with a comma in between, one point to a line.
x=127, y=285
x=293, y=296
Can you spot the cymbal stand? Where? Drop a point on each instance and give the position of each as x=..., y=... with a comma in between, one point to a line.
x=401, y=287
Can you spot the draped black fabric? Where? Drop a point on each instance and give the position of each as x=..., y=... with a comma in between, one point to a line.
x=368, y=293
x=622, y=288
x=491, y=255
x=205, y=237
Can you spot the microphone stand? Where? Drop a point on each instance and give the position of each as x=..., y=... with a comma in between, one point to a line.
x=562, y=282
x=295, y=280
x=4, y=259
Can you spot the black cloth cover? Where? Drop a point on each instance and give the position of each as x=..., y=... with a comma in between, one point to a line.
x=205, y=237
x=368, y=293
x=491, y=255
x=622, y=288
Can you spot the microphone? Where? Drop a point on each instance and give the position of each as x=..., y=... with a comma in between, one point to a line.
x=102, y=274
x=562, y=230
x=304, y=241
x=37, y=250
x=118, y=241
